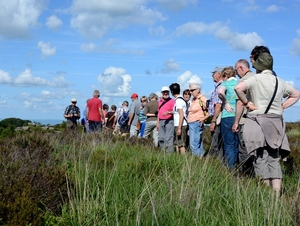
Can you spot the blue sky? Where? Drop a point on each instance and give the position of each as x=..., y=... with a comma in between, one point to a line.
x=52, y=51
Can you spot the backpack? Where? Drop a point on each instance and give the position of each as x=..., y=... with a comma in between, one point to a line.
x=123, y=119
x=187, y=107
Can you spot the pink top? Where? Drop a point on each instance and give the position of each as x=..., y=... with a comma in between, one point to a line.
x=166, y=107
x=195, y=111
x=94, y=104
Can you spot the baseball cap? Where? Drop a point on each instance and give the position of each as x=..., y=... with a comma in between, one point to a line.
x=264, y=62
x=134, y=95
x=73, y=100
x=165, y=88
x=217, y=69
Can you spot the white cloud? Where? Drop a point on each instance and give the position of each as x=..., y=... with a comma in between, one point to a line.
x=236, y=40
x=3, y=102
x=186, y=78
x=176, y=4
x=115, y=82
x=94, y=19
x=157, y=31
x=22, y=16
x=170, y=66
x=5, y=78
x=53, y=22
x=273, y=8
x=46, y=49
x=27, y=79
x=295, y=47
x=89, y=47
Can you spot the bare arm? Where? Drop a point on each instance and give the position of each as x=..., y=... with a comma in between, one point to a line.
x=218, y=108
x=238, y=114
x=180, y=112
x=240, y=90
x=292, y=99
x=222, y=96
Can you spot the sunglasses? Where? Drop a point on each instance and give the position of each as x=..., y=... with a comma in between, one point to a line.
x=192, y=90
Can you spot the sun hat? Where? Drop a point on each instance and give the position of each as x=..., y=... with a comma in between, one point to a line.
x=264, y=62
x=73, y=100
x=165, y=88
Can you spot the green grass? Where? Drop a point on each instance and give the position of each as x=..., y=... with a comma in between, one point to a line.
x=116, y=183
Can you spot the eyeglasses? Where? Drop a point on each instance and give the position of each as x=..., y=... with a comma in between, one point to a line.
x=165, y=92
x=192, y=90
x=74, y=102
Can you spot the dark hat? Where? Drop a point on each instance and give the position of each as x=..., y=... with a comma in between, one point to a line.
x=264, y=62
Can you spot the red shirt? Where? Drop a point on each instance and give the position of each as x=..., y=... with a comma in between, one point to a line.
x=94, y=104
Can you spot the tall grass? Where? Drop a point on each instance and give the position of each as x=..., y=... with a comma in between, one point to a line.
x=115, y=182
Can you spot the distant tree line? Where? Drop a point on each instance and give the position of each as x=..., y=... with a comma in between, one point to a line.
x=8, y=126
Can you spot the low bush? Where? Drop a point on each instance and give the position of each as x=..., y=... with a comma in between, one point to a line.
x=32, y=179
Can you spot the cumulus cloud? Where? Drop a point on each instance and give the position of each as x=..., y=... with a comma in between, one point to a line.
x=186, y=78
x=115, y=82
x=5, y=78
x=175, y=5
x=93, y=19
x=22, y=16
x=170, y=66
x=295, y=48
x=236, y=40
x=46, y=49
x=53, y=22
x=27, y=79
x=273, y=8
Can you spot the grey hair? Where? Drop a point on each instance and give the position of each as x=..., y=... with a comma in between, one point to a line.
x=244, y=62
x=195, y=84
x=153, y=95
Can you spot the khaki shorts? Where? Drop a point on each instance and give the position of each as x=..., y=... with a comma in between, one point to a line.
x=180, y=141
x=266, y=164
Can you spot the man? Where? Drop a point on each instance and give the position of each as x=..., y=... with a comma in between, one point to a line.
x=134, y=111
x=151, y=110
x=264, y=129
x=165, y=122
x=94, y=113
x=215, y=108
x=119, y=113
x=180, y=118
x=72, y=114
x=242, y=69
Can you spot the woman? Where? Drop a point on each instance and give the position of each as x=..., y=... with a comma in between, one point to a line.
x=228, y=96
x=110, y=118
x=142, y=116
x=196, y=120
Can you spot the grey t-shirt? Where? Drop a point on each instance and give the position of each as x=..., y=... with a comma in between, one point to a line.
x=135, y=110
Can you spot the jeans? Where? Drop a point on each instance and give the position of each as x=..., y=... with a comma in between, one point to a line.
x=142, y=130
x=95, y=126
x=231, y=141
x=196, y=144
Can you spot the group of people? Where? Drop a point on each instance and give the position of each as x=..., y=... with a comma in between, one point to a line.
x=246, y=121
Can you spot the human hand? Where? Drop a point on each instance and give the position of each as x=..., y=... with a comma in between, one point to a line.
x=235, y=127
x=250, y=106
x=228, y=108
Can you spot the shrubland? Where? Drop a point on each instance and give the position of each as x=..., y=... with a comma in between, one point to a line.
x=58, y=178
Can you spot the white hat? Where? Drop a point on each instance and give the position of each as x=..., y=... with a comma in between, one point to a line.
x=165, y=88
x=73, y=100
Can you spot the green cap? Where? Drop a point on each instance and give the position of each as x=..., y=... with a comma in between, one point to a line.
x=264, y=62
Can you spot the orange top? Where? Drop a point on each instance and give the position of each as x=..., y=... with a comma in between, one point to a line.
x=195, y=111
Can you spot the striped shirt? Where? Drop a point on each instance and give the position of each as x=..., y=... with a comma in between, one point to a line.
x=214, y=99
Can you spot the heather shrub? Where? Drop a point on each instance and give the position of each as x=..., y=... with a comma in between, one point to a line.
x=32, y=179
